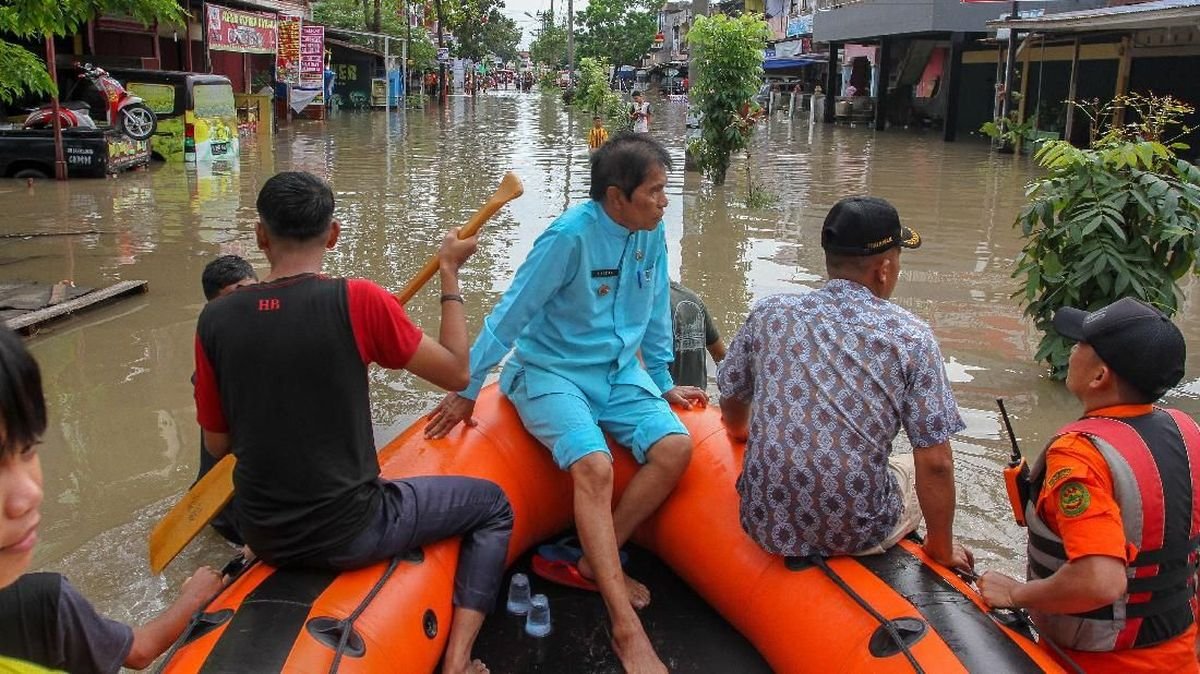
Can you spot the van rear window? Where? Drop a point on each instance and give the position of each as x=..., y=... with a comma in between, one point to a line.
x=160, y=97
x=213, y=100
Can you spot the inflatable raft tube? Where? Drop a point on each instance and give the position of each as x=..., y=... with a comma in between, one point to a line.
x=393, y=617
x=794, y=611
x=271, y=620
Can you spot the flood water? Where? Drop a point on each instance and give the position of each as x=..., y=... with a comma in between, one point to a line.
x=122, y=443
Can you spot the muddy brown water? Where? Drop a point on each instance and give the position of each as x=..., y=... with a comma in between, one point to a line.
x=122, y=443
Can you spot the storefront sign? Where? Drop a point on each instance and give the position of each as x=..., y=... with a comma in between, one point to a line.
x=312, y=56
x=287, y=57
x=245, y=32
x=800, y=25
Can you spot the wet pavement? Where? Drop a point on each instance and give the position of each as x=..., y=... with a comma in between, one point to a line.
x=122, y=443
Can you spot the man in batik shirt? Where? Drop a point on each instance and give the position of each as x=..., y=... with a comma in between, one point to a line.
x=820, y=384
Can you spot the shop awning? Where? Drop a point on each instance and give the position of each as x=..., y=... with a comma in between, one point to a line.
x=1142, y=16
x=794, y=62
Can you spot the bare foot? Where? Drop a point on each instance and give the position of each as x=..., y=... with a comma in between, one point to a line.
x=636, y=654
x=639, y=594
x=472, y=667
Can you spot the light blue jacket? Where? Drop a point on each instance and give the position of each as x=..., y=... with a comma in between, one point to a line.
x=590, y=294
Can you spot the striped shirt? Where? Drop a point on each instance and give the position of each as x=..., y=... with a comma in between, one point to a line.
x=597, y=137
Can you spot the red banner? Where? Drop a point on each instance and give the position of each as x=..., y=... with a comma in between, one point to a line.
x=287, y=57
x=233, y=30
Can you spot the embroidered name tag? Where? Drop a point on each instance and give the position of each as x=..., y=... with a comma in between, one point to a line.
x=604, y=273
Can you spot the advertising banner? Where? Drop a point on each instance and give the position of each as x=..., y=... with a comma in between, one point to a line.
x=312, y=56
x=287, y=57
x=800, y=25
x=234, y=30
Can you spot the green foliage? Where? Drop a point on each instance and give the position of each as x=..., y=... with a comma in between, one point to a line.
x=727, y=58
x=757, y=194
x=482, y=32
x=618, y=31
x=593, y=94
x=549, y=48
x=1010, y=132
x=22, y=71
x=349, y=14
x=479, y=29
x=1120, y=218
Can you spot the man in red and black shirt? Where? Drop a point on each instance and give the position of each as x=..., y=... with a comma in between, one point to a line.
x=281, y=381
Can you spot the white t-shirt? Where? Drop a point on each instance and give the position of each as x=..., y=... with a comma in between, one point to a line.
x=642, y=123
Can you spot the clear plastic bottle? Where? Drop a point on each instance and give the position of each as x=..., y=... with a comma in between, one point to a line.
x=537, y=621
x=518, y=594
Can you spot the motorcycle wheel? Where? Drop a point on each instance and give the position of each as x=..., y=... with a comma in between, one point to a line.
x=137, y=121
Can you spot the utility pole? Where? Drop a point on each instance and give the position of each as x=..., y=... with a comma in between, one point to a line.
x=570, y=43
x=1010, y=64
x=443, y=94
x=407, y=45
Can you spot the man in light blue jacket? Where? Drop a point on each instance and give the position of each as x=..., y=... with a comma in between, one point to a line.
x=593, y=293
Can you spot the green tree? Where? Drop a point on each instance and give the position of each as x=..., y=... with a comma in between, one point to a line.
x=1120, y=218
x=480, y=29
x=348, y=14
x=593, y=94
x=618, y=31
x=549, y=45
x=490, y=33
x=727, y=58
x=22, y=71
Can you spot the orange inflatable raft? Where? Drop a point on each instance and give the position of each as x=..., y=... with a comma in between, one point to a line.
x=393, y=617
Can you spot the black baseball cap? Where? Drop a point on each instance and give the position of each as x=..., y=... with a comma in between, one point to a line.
x=1133, y=338
x=865, y=226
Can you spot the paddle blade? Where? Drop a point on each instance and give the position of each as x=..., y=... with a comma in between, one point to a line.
x=510, y=188
x=197, y=508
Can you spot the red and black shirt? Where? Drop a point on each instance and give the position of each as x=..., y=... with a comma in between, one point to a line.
x=282, y=367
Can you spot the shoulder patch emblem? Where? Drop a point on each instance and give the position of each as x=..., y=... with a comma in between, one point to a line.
x=1074, y=499
x=1058, y=476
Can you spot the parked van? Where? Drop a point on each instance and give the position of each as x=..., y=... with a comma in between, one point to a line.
x=197, y=120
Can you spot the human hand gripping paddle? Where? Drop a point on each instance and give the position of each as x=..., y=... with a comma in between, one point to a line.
x=209, y=495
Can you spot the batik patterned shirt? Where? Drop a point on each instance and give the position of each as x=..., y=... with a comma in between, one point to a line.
x=832, y=375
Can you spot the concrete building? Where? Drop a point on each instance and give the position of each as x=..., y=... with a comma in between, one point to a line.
x=902, y=64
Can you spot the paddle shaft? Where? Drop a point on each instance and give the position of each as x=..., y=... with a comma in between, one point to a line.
x=510, y=188
x=212, y=492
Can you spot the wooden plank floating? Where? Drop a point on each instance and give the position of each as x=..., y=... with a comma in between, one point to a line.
x=26, y=323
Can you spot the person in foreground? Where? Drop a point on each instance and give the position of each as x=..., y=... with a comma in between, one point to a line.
x=592, y=293
x=695, y=332
x=44, y=621
x=1114, y=519
x=222, y=276
x=281, y=381
x=820, y=384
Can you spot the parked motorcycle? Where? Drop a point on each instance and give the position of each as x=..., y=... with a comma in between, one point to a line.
x=126, y=113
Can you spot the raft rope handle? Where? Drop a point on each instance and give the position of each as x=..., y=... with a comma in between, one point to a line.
x=1023, y=616
x=347, y=625
x=234, y=568
x=883, y=622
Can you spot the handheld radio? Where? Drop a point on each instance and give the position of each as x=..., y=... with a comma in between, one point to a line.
x=1016, y=473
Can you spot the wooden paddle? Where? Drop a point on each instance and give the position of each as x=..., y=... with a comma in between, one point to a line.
x=212, y=493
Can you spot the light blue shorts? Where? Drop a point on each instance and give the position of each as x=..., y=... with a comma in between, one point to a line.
x=572, y=426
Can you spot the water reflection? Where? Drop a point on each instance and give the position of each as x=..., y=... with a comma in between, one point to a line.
x=123, y=441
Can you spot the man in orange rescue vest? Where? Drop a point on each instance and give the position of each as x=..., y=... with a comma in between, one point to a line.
x=1114, y=518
